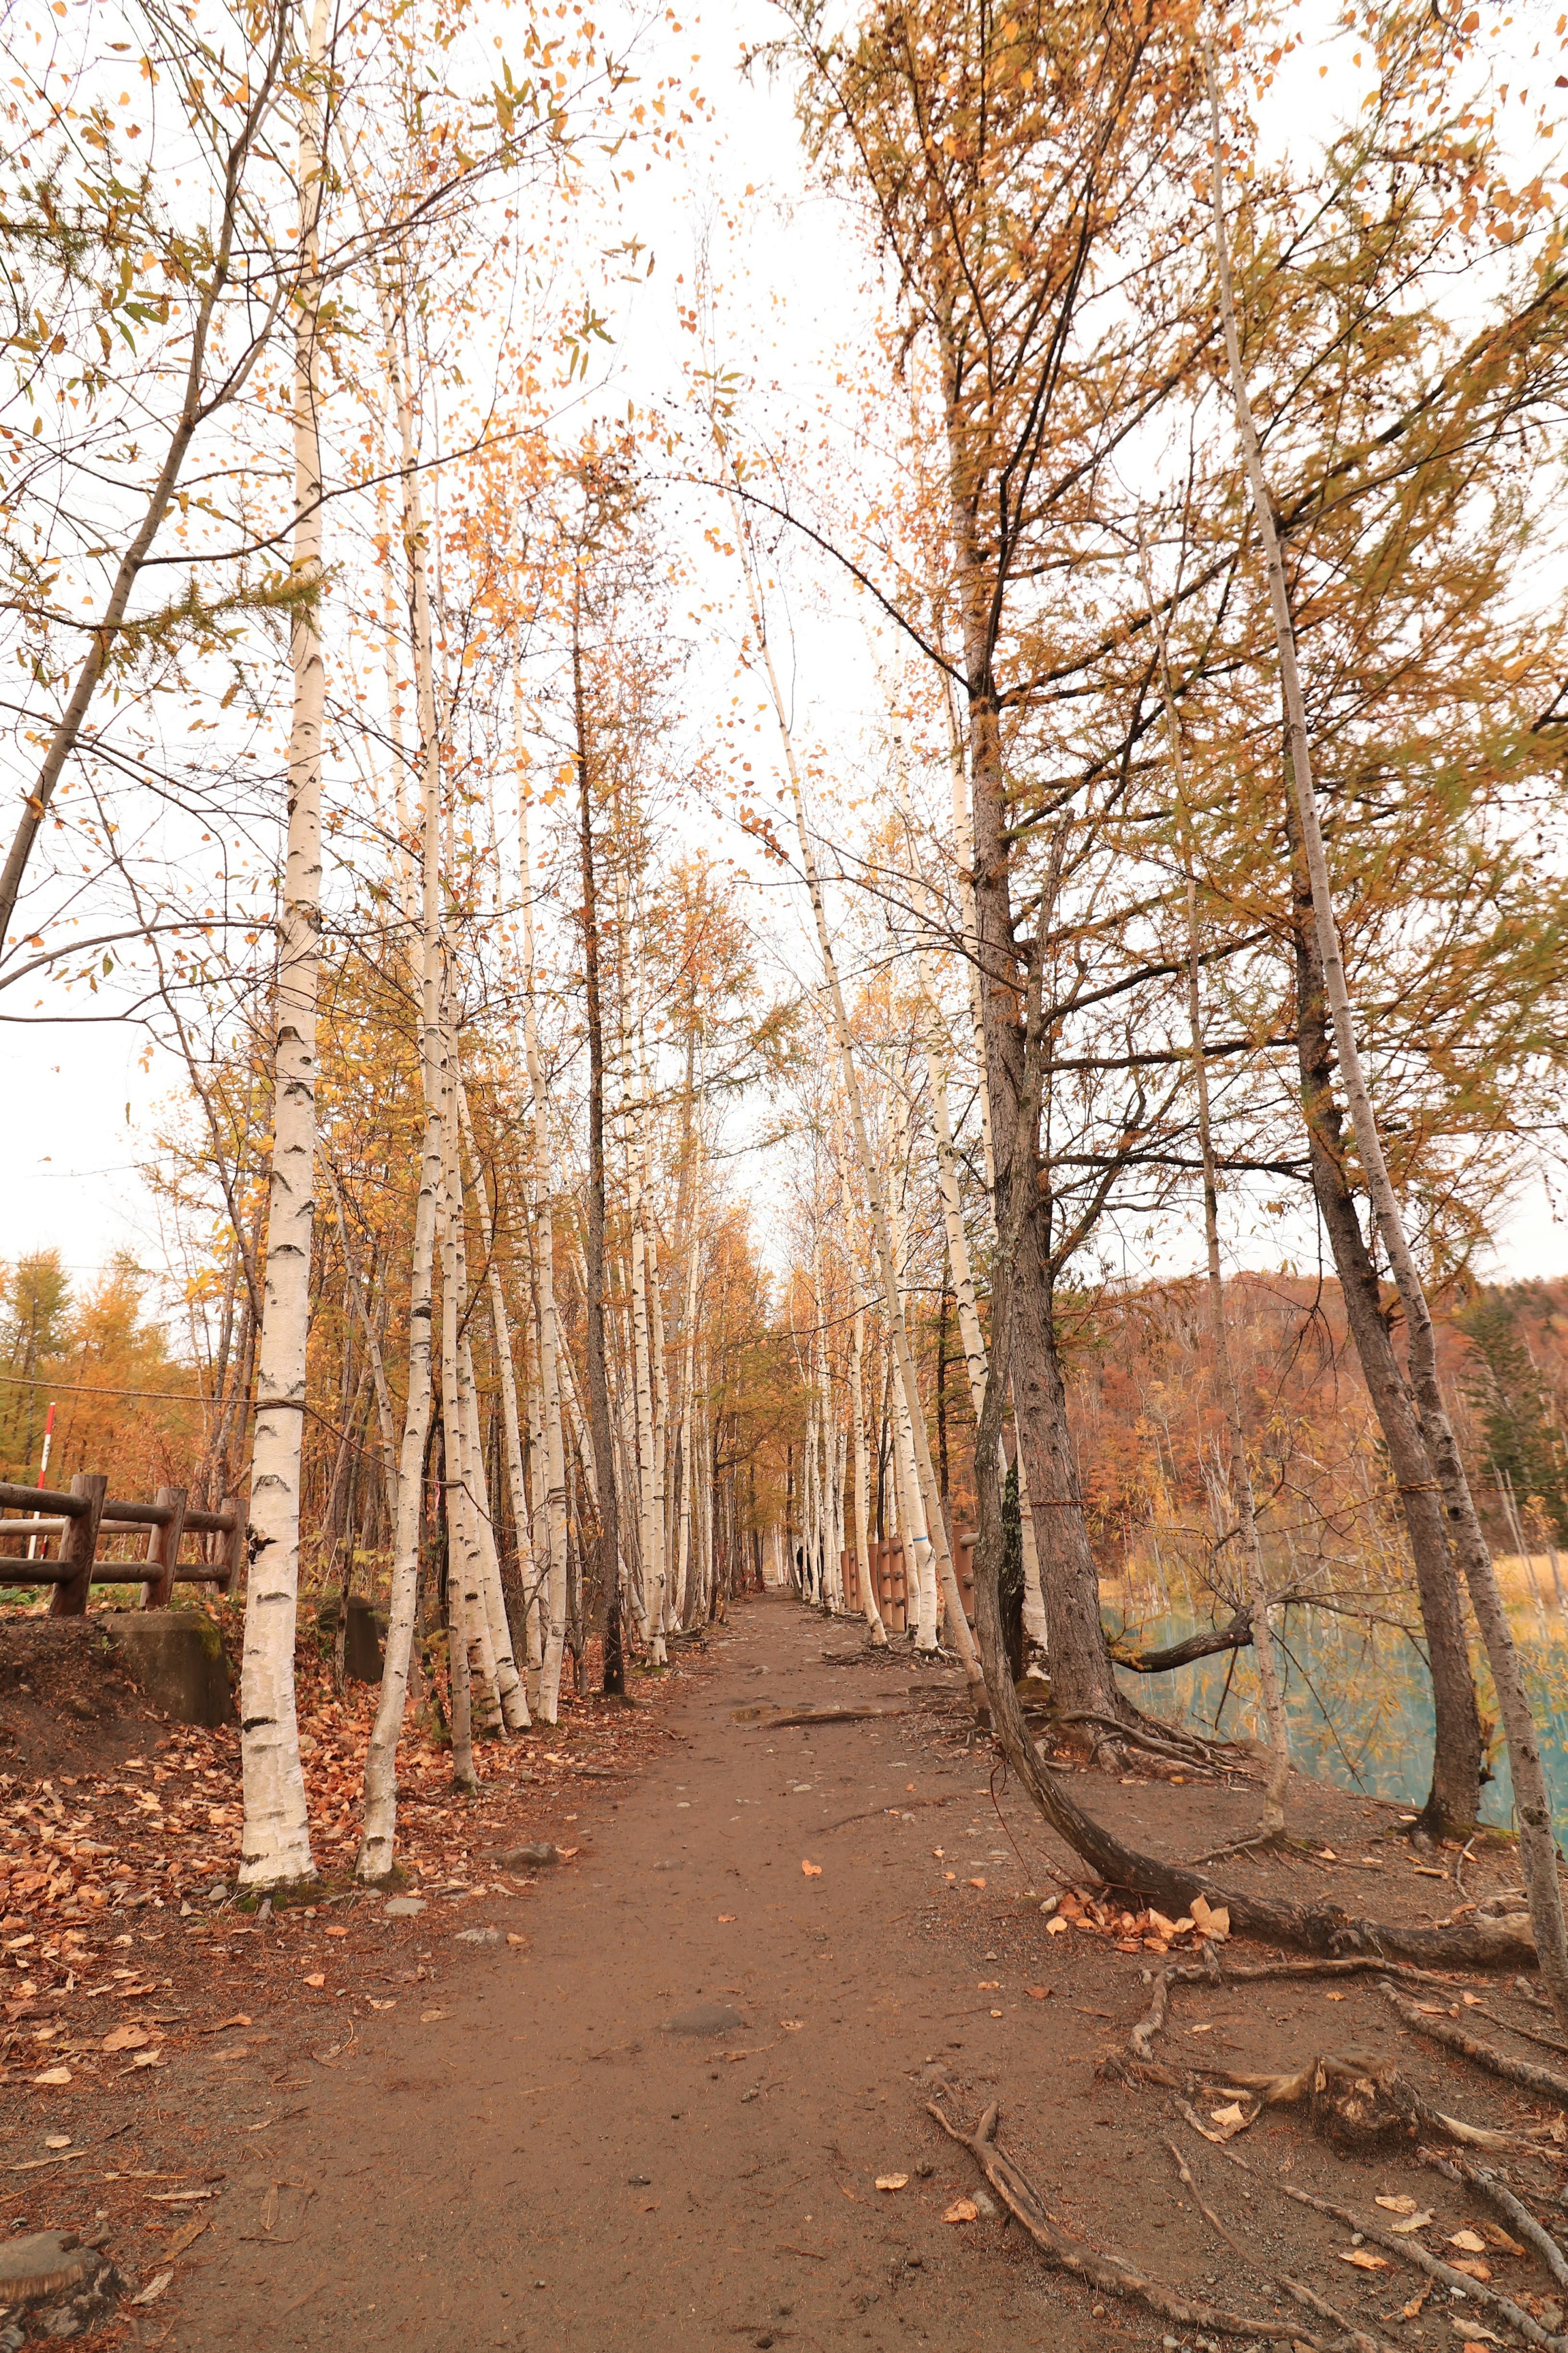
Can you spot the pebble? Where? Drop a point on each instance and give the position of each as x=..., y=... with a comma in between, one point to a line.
x=404, y=1907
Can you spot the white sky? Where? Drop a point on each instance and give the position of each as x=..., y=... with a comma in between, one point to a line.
x=71, y=1177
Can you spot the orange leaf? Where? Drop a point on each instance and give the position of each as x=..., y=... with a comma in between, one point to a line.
x=811, y=1869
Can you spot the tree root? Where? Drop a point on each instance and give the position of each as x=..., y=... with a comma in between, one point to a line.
x=1513, y=2071
x=1297, y=2289
x=1212, y=1970
x=1109, y=2273
x=1357, y=2099
x=1407, y=2252
x=1481, y=2177
x=1198, y=1757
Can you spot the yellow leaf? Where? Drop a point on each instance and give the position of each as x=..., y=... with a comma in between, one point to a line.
x=1417, y=2222
x=1397, y=2205
x=1470, y=2241
x=892, y=2180
x=811, y=1870
x=1362, y=2258
x=962, y=2210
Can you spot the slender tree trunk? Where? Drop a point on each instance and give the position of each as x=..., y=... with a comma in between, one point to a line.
x=1538, y=1850
x=607, y=1531
x=551, y=1353
x=1453, y=1803
x=514, y=1700
x=276, y=1837
x=377, y=1842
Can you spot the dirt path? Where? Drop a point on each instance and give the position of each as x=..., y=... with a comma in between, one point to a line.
x=562, y=2156
x=655, y=2120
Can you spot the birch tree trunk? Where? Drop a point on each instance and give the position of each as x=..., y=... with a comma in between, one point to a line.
x=875, y=1193
x=276, y=1846
x=1538, y=1850
x=377, y=1842
x=920, y=1549
x=514, y=1701
x=466, y=1611
x=551, y=1353
x=1241, y=1492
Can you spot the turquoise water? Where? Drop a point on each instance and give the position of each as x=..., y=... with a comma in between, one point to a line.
x=1359, y=1704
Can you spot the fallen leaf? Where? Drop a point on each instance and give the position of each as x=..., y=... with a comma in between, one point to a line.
x=962, y=2210
x=811, y=1870
x=428, y=2017
x=989, y=1985
x=1159, y=1925
x=1362, y=2258
x=892, y=2181
x=148, y=2059
x=54, y=2076
x=337, y=1932
x=1234, y=2114
x=187, y=2237
x=977, y=1883
x=1412, y=2311
x=1397, y=2205
x=995, y=2013
x=126, y=2037
x=726, y=1919
x=1417, y=2222
x=1470, y=2241
x=1474, y=2335
x=381, y=2005
x=791, y=2025
x=1210, y=1919
x=1498, y=2239
x=1037, y=1993
x=1472, y=2267
x=317, y=1978
x=153, y=2289
x=1056, y=1926
x=1333, y=1997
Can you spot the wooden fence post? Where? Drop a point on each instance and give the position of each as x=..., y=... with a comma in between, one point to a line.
x=164, y=1549
x=78, y=1546
x=235, y=1558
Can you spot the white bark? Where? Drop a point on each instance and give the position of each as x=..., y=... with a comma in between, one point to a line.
x=514, y=1703
x=377, y=1843
x=1538, y=1852
x=276, y=1844
x=920, y=1549
x=464, y=1570
x=552, y=1356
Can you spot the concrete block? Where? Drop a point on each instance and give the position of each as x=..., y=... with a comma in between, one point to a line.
x=177, y=1657
x=364, y=1639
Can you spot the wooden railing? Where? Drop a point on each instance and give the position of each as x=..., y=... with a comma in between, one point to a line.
x=74, y=1524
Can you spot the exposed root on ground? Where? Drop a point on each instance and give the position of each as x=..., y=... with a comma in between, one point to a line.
x=1297, y=2289
x=1481, y=2177
x=1497, y=2062
x=1406, y=2250
x=1110, y=2274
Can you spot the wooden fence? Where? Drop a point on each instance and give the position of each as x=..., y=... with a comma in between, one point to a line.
x=75, y=1524
x=890, y=1577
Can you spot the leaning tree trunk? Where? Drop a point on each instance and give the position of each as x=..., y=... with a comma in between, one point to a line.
x=276, y=1846
x=1453, y=1803
x=1538, y=1850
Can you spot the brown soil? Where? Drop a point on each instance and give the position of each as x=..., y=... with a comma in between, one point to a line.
x=65, y=1705
x=653, y=2112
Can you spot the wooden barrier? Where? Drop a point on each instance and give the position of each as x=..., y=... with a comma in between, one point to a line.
x=75, y=1523
x=892, y=1592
